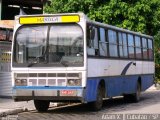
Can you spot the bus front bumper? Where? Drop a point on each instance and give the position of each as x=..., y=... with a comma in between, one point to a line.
x=55, y=95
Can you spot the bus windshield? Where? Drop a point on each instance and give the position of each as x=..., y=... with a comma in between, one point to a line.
x=59, y=45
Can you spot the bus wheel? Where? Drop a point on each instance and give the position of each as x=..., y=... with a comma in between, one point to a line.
x=97, y=105
x=136, y=96
x=41, y=105
x=127, y=97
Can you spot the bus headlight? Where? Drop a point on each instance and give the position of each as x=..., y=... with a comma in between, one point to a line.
x=21, y=82
x=73, y=82
x=17, y=82
x=24, y=82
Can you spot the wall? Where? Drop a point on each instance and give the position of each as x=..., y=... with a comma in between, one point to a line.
x=5, y=69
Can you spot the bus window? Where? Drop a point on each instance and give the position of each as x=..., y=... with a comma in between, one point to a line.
x=144, y=44
x=138, y=47
x=96, y=39
x=112, y=38
x=125, y=45
x=150, y=49
x=122, y=45
x=92, y=40
x=66, y=44
x=102, y=43
x=30, y=43
x=131, y=46
x=89, y=36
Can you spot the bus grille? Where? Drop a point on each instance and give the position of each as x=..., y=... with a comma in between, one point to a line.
x=47, y=79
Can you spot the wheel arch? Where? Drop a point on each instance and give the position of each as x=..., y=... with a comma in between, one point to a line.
x=139, y=81
x=103, y=85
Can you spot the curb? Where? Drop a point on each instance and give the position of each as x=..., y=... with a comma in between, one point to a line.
x=5, y=112
x=12, y=111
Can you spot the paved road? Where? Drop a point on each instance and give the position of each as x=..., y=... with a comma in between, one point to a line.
x=150, y=103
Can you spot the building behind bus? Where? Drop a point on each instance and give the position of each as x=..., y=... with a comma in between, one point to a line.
x=8, y=9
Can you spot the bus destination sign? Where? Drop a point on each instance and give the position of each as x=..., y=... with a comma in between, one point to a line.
x=49, y=19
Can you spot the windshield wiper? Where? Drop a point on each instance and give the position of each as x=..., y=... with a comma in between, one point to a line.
x=37, y=60
x=34, y=62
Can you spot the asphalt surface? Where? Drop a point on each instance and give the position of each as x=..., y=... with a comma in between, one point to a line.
x=149, y=104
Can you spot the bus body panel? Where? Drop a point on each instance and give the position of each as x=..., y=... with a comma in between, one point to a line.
x=117, y=86
x=48, y=93
x=112, y=67
x=120, y=76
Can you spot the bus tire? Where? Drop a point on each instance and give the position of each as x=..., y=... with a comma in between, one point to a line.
x=136, y=96
x=97, y=105
x=41, y=105
x=127, y=97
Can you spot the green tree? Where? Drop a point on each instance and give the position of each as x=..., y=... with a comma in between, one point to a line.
x=157, y=56
x=137, y=15
x=157, y=48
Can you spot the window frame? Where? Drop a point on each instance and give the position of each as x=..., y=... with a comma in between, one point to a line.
x=138, y=47
x=104, y=42
x=123, y=46
x=131, y=46
x=115, y=44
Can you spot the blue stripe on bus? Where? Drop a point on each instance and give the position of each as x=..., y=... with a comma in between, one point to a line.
x=46, y=87
x=118, y=85
x=126, y=68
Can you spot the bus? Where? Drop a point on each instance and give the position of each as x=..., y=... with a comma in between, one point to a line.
x=70, y=58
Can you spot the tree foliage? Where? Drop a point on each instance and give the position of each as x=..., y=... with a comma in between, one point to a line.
x=157, y=48
x=137, y=15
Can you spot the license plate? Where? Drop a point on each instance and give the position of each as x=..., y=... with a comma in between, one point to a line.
x=67, y=93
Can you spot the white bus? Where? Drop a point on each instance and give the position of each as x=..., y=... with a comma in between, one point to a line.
x=67, y=57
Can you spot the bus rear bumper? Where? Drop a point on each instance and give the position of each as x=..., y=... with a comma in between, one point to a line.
x=62, y=95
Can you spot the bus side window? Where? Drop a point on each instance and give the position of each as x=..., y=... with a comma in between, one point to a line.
x=131, y=46
x=150, y=49
x=90, y=36
x=138, y=47
x=145, y=52
x=92, y=40
x=103, y=43
x=112, y=38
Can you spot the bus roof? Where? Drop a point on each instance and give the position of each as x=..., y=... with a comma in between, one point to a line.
x=118, y=29
x=68, y=17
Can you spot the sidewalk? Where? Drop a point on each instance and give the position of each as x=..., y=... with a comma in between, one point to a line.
x=152, y=88
x=8, y=106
